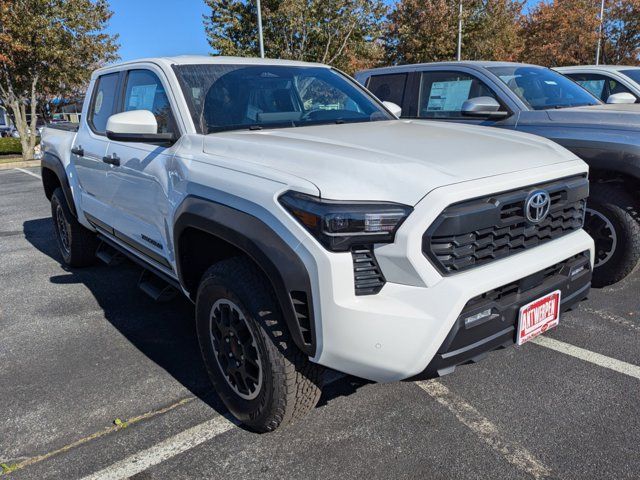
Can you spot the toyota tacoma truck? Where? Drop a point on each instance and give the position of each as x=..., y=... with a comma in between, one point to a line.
x=537, y=100
x=312, y=228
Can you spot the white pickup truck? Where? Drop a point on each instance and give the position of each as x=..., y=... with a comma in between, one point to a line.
x=313, y=228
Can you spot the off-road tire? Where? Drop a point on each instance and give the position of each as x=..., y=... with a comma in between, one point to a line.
x=79, y=247
x=291, y=384
x=621, y=210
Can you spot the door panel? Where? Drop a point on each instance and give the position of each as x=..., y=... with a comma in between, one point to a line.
x=93, y=143
x=140, y=184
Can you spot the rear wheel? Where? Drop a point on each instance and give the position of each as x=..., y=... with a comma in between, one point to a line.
x=613, y=221
x=261, y=376
x=77, y=244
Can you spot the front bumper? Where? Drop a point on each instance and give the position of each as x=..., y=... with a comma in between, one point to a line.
x=406, y=330
x=471, y=338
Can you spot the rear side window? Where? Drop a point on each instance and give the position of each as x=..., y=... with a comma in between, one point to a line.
x=102, y=103
x=144, y=91
x=388, y=88
x=443, y=93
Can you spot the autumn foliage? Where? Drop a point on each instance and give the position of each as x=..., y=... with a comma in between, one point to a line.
x=552, y=33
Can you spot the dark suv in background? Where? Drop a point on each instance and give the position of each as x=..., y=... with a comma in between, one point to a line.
x=540, y=101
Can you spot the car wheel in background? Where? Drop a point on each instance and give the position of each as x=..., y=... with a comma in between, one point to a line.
x=613, y=221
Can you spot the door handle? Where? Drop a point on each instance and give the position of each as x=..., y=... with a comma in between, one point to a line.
x=78, y=151
x=112, y=160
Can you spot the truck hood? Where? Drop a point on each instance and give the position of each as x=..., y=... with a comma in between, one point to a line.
x=397, y=160
x=618, y=117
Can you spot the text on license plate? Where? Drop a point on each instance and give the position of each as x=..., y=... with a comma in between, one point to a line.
x=538, y=316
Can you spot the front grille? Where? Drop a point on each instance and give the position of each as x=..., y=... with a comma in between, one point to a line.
x=367, y=274
x=509, y=293
x=479, y=231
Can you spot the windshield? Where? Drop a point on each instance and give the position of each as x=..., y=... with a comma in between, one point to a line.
x=633, y=74
x=235, y=97
x=542, y=89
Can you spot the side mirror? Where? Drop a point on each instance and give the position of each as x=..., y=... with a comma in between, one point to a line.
x=137, y=126
x=620, y=98
x=485, y=107
x=393, y=108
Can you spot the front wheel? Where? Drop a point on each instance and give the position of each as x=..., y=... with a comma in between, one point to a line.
x=261, y=376
x=613, y=222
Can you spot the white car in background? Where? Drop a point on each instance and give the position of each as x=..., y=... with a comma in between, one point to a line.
x=610, y=83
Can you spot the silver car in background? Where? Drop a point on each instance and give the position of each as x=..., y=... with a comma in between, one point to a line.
x=610, y=83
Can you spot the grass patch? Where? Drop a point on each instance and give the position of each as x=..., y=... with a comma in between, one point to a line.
x=9, y=145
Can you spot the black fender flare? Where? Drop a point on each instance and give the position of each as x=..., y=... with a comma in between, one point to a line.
x=284, y=269
x=606, y=156
x=53, y=163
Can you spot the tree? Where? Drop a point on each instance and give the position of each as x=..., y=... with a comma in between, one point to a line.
x=494, y=31
x=342, y=33
x=563, y=32
x=427, y=30
x=422, y=31
x=48, y=48
x=621, y=32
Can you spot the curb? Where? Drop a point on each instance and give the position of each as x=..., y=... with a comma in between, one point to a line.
x=21, y=164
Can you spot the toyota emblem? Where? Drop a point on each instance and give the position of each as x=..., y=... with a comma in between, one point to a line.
x=537, y=206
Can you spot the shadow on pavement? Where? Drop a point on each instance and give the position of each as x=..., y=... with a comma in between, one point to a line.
x=164, y=332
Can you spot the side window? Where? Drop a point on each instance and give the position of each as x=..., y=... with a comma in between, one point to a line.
x=443, y=93
x=388, y=88
x=102, y=102
x=144, y=91
x=600, y=86
x=595, y=84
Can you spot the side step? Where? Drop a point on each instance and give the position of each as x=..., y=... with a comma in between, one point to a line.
x=109, y=255
x=155, y=287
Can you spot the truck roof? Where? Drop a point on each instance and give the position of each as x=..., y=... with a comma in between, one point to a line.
x=467, y=63
x=212, y=60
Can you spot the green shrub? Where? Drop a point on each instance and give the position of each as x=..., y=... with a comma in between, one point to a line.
x=10, y=145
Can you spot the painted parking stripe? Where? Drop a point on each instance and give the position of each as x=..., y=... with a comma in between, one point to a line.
x=488, y=432
x=178, y=444
x=165, y=450
x=28, y=172
x=589, y=356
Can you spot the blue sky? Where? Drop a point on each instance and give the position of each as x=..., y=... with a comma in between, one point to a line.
x=150, y=28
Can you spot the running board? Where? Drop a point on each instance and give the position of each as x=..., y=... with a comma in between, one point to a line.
x=109, y=255
x=155, y=287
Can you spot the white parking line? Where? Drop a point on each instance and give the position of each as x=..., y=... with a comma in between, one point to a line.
x=514, y=453
x=589, y=356
x=28, y=172
x=165, y=450
x=183, y=441
x=466, y=413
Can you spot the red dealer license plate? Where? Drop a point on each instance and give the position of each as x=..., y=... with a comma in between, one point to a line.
x=538, y=316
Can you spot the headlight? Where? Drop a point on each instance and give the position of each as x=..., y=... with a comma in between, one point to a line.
x=340, y=225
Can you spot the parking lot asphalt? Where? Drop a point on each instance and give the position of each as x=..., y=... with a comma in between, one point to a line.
x=98, y=380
